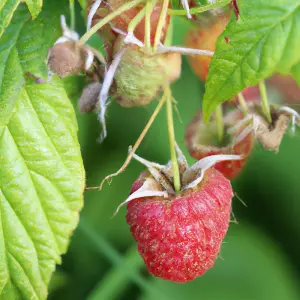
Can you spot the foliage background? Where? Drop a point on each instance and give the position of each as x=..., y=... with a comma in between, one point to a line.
x=260, y=255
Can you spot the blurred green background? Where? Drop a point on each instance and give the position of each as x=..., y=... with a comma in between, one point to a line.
x=260, y=257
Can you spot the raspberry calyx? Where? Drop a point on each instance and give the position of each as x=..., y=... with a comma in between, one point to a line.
x=202, y=140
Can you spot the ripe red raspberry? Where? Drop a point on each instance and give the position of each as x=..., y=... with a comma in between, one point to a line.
x=202, y=141
x=179, y=237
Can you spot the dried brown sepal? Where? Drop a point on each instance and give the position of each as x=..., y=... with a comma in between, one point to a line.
x=89, y=98
x=66, y=59
x=270, y=135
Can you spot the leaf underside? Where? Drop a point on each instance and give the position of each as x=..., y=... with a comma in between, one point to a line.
x=41, y=170
x=264, y=40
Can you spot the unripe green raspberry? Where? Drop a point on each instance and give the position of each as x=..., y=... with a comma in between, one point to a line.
x=141, y=76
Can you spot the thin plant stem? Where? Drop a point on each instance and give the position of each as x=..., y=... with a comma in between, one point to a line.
x=220, y=122
x=118, y=277
x=136, y=145
x=72, y=14
x=149, y=8
x=199, y=9
x=126, y=269
x=264, y=100
x=174, y=162
x=169, y=35
x=136, y=20
x=161, y=24
x=243, y=104
x=108, y=18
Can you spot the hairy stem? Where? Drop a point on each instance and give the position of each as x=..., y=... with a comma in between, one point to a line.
x=108, y=18
x=174, y=162
x=220, y=123
x=243, y=104
x=161, y=24
x=198, y=10
x=264, y=100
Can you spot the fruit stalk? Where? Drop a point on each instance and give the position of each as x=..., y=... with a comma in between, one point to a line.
x=161, y=24
x=169, y=35
x=136, y=145
x=149, y=7
x=136, y=20
x=72, y=14
x=104, y=248
x=242, y=103
x=108, y=18
x=220, y=123
x=116, y=280
x=175, y=168
x=264, y=100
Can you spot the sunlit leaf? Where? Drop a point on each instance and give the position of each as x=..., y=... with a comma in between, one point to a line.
x=41, y=171
x=7, y=9
x=263, y=41
x=34, y=6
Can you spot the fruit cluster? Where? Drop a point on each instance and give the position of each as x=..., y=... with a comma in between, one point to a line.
x=178, y=215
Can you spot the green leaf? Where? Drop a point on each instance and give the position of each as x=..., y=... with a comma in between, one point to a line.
x=35, y=7
x=41, y=170
x=7, y=8
x=263, y=41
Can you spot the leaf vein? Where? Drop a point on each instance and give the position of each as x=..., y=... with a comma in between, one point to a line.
x=285, y=17
x=35, y=189
x=48, y=136
x=16, y=261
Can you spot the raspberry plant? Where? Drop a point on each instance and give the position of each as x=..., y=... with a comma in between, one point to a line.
x=178, y=215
